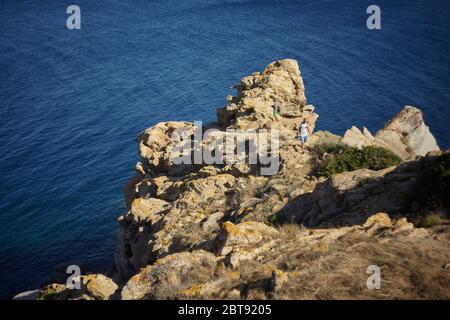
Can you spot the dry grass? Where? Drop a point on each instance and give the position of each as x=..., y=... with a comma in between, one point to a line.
x=291, y=231
x=430, y=220
x=411, y=268
x=408, y=271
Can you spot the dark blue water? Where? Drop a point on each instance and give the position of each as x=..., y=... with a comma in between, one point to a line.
x=72, y=102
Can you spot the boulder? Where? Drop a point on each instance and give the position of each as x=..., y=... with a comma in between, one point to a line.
x=380, y=218
x=171, y=274
x=355, y=137
x=243, y=235
x=157, y=148
x=407, y=135
x=148, y=209
x=27, y=295
x=98, y=286
x=92, y=287
x=244, y=241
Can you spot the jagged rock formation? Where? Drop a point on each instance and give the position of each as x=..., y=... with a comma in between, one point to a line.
x=406, y=134
x=355, y=137
x=252, y=106
x=224, y=230
x=170, y=203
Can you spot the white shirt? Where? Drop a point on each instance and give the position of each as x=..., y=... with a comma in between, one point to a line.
x=304, y=129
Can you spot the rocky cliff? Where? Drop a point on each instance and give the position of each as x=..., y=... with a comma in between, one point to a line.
x=226, y=230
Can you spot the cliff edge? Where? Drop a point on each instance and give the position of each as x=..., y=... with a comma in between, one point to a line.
x=259, y=222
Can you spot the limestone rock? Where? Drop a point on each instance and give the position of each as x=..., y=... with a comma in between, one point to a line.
x=377, y=222
x=167, y=276
x=99, y=286
x=157, y=147
x=407, y=135
x=200, y=231
x=354, y=137
x=380, y=218
x=309, y=108
x=352, y=197
x=244, y=235
x=211, y=222
x=92, y=287
x=256, y=94
x=245, y=240
x=325, y=137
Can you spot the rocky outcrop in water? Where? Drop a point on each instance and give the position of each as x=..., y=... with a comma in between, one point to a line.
x=227, y=231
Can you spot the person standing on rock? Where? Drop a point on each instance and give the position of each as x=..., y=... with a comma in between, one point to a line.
x=276, y=109
x=305, y=132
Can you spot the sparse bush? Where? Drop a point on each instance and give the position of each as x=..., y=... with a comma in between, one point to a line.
x=318, y=151
x=430, y=220
x=366, y=180
x=291, y=231
x=352, y=158
x=272, y=220
x=433, y=189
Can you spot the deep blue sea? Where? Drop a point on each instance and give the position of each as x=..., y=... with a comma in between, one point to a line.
x=73, y=102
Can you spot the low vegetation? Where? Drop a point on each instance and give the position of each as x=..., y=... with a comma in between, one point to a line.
x=433, y=189
x=430, y=220
x=330, y=159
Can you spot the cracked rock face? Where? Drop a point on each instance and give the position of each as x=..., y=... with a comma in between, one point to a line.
x=252, y=106
x=93, y=287
x=170, y=204
x=224, y=231
x=170, y=276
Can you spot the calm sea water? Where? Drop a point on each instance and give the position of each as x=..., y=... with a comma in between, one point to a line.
x=72, y=102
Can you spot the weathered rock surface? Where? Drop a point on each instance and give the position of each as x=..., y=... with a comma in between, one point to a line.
x=351, y=197
x=358, y=138
x=93, y=287
x=170, y=275
x=171, y=204
x=256, y=94
x=225, y=231
x=300, y=254
x=244, y=241
x=183, y=215
x=406, y=134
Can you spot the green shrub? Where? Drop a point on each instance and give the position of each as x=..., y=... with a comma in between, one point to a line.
x=352, y=158
x=273, y=219
x=319, y=152
x=430, y=220
x=433, y=188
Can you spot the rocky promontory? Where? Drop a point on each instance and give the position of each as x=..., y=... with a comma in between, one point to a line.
x=236, y=230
